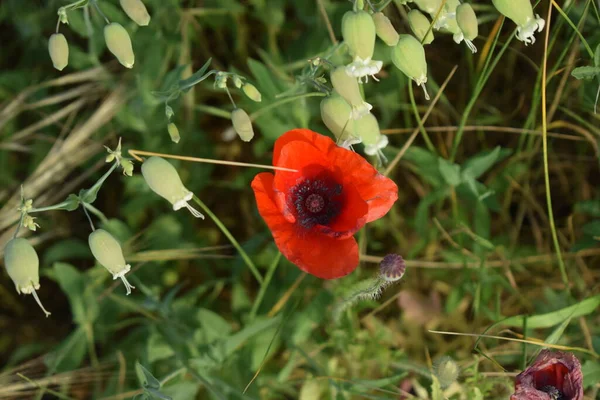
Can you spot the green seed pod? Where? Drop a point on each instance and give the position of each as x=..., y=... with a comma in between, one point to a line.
x=348, y=88
x=446, y=370
x=252, y=92
x=467, y=22
x=367, y=128
x=385, y=30
x=107, y=251
x=358, y=31
x=429, y=6
x=173, y=132
x=22, y=265
x=521, y=13
x=164, y=180
x=136, y=10
x=335, y=113
x=242, y=124
x=118, y=42
x=420, y=26
x=59, y=51
x=409, y=57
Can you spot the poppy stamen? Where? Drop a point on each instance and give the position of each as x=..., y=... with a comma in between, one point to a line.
x=316, y=201
x=554, y=393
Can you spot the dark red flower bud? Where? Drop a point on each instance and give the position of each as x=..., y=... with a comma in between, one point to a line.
x=554, y=375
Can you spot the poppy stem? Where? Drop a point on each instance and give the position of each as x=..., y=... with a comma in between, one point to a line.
x=264, y=286
x=137, y=153
x=232, y=239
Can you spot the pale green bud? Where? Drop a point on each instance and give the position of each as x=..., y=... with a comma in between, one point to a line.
x=367, y=128
x=348, y=88
x=242, y=124
x=29, y=223
x=173, y=132
x=119, y=43
x=221, y=80
x=467, y=22
x=107, y=251
x=237, y=81
x=358, y=30
x=385, y=30
x=136, y=10
x=127, y=166
x=446, y=370
x=335, y=112
x=521, y=13
x=59, y=51
x=429, y=6
x=252, y=92
x=169, y=111
x=409, y=57
x=420, y=26
x=164, y=180
x=23, y=265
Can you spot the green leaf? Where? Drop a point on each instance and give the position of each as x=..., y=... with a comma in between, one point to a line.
x=450, y=172
x=597, y=56
x=186, y=84
x=586, y=73
x=145, y=377
x=591, y=373
x=214, y=327
x=73, y=284
x=436, y=389
x=592, y=228
x=426, y=164
x=479, y=164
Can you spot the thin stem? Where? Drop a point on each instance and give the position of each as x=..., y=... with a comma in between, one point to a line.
x=566, y=17
x=230, y=98
x=57, y=25
x=49, y=208
x=95, y=3
x=137, y=153
x=384, y=5
x=88, y=217
x=52, y=392
x=96, y=212
x=327, y=22
x=100, y=181
x=561, y=264
x=231, y=238
x=281, y=102
x=264, y=286
x=428, y=142
x=19, y=226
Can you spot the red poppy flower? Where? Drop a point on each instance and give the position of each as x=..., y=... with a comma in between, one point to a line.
x=553, y=376
x=314, y=212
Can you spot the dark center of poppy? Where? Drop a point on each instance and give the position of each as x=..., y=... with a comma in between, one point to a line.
x=316, y=200
x=554, y=393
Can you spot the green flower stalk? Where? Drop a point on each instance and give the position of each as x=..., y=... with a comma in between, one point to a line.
x=358, y=31
x=420, y=25
x=467, y=22
x=384, y=29
x=59, y=51
x=252, y=92
x=367, y=128
x=119, y=43
x=335, y=113
x=521, y=13
x=22, y=265
x=164, y=180
x=409, y=57
x=348, y=88
x=107, y=251
x=136, y=10
x=242, y=124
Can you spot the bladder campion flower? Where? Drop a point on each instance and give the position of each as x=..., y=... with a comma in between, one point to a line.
x=119, y=43
x=429, y=6
x=358, y=30
x=348, y=88
x=107, y=251
x=173, y=132
x=385, y=30
x=467, y=22
x=521, y=13
x=335, y=113
x=368, y=129
x=136, y=10
x=252, y=92
x=420, y=26
x=22, y=265
x=409, y=57
x=59, y=51
x=314, y=212
x=164, y=180
x=553, y=375
x=242, y=124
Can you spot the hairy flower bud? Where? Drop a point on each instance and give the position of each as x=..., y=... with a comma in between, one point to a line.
x=446, y=370
x=392, y=267
x=164, y=180
x=409, y=57
x=136, y=10
x=173, y=132
x=252, y=92
x=385, y=30
x=59, y=51
x=348, y=88
x=107, y=251
x=358, y=30
x=242, y=124
x=420, y=26
x=22, y=265
x=467, y=22
x=118, y=42
x=367, y=128
x=335, y=113
x=521, y=13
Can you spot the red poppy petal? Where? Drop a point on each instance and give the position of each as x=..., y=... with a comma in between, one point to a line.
x=353, y=215
x=262, y=184
x=322, y=143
